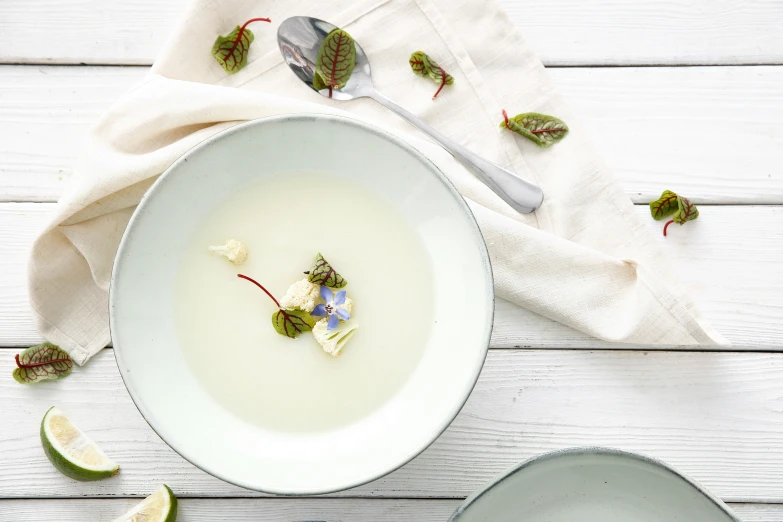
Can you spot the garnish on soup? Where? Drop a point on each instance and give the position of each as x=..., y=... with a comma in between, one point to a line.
x=313, y=299
x=335, y=328
x=235, y=251
x=290, y=323
x=334, y=308
x=333, y=341
x=303, y=295
x=323, y=274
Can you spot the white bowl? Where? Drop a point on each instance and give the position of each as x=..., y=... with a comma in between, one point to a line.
x=148, y=350
x=593, y=485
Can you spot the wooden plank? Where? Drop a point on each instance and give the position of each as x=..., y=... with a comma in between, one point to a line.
x=758, y=512
x=714, y=415
x=283, y=510
x=713, y=133
x=729, y=259
x=45, y=114
x=619, y=32
x=564, y=32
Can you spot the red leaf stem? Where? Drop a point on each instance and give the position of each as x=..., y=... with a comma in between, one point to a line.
x=667, y=226
x=442, y=82
x=505, y=117
x=242, y=31
x=338, y=45
x=37, y=364
x=261, y=287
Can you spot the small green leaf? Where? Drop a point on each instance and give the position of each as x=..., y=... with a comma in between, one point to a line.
x=423, y=65
x=664, y=206
x=231, y=50
x=293, y=322
x=541, y=129
x=323, y=274
x=669, y=203
x=336, y=59
x=318, y=82
x=43, y=362
x=686, y=211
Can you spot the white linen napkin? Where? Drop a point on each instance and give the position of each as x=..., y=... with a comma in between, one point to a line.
x=583, y=259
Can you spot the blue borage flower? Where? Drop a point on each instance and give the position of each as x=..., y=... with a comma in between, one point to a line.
x=333, y=307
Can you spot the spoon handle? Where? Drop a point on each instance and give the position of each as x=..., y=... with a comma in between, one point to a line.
x=522, y=195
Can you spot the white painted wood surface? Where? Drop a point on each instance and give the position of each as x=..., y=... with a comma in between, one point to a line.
x=279, y=510
x=716, y=416
x=712, y=133
x=729, y=259
x=564, y=32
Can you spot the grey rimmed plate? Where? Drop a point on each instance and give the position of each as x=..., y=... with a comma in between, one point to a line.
x=593, y=485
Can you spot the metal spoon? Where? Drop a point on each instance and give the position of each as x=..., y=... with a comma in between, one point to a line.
x=299, y=39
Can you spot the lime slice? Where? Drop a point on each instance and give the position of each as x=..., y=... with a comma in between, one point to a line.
x=72, y=452
x=161, y=506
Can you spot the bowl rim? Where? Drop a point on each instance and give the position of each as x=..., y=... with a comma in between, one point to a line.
x=590, y=450
x=394, y=140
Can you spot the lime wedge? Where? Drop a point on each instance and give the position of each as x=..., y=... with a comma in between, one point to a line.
x=161, y=506
x=72, y=452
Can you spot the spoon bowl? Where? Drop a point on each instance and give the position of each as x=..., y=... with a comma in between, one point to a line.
x=300, y=37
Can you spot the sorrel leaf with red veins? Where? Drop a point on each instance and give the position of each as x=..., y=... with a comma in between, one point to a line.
x=423, y=65
x=664, y=206
x=43, y=362
x=293, y=322
x=669, y=203
x=323, y=274
x=286, y=322
x=231, y=50
x=541, y=129
x=336, y=59
x=686, y=211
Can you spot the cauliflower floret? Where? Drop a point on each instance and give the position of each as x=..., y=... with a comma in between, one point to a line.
x=302, y=294
x=233, y=250
x=348, y=305
x=333, y=341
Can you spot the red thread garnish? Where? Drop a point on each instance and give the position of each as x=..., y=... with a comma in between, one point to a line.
x=442, y=82
x=667, y=226
x=337, y=60
x=241, y=31
x=37, y=364
x=259, y=286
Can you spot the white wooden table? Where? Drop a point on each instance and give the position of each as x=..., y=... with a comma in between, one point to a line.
x=684, y=94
